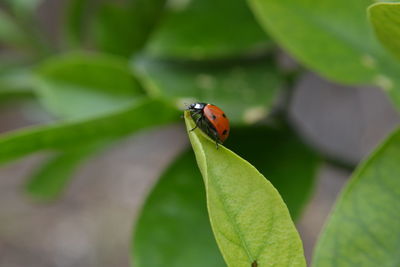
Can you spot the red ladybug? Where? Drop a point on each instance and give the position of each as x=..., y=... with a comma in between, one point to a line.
x=211, y=120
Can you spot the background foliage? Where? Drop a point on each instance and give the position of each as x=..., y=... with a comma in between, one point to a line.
x=122, y=67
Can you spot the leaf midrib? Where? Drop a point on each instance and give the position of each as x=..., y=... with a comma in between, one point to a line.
x=228, y=212
x=206, y=182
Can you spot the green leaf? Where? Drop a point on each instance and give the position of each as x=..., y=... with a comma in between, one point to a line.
x=50, y=179
x=124, y=29
x=173, y=228
x=60, y=136
x=145, y=15
x=22, y=7
x=85, y=85
x=16, y=79
x=385, y=17
x=246, y=91
x=281, y=157
x=75, y=17
x=331, y=37
x=207, y=29
x=15, y=84
x=249, y=219
x=10, y=33
x=364, y=229
x=10, y=96
x=179, y=201
x=112, y=29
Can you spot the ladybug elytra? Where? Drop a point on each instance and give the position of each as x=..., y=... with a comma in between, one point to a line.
x=211, y=120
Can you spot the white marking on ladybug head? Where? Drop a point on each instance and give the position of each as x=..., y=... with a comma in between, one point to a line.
x=183, y=103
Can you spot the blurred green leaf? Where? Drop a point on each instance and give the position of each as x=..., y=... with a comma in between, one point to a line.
x=124, y=29
x=7, y=96
x=250, y=221
x=10, y=33
x=245, y=91
x=15, y=83
x=281, y=157
x=84, y=85
x=184, y=238
x=77, y=86
x=22, y=7
x=75, y=19
x=147, y=113
x=50, y=179
x=207, y=29
x=16, y=79
x=331, y=37
x=364, y=227
x=113, y=29
x=385, y=17
x=26, y=19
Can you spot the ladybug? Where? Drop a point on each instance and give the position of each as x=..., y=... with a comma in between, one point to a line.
x=211, y=120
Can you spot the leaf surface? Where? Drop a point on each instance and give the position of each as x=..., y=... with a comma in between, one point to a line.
x=59, y=136
x=124, y=29
x=333, y=38
x=80, y=85
x=10, y=33
x=15, y=83
x=184, y=238
x=75, y=21
x=364, y=227
x=178, y=200
x=281, y=157
x=244, y=91
x=385, y=17
x=49, y=181
x=207, y=29
x=250, y=221
x=24, y=7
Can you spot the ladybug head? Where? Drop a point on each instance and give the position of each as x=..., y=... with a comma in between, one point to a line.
x=197, y=106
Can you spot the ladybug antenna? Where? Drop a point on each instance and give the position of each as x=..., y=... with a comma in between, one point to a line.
x=187, y=106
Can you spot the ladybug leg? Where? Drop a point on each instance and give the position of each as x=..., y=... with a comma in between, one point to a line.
x=194, y=112
x=198, y=120
x=216, y=142
x=215, y=134
x=193, y=128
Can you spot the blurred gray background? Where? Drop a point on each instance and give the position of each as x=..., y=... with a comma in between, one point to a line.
x=91, y=225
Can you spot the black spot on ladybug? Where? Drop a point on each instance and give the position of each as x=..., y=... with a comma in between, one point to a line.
x=224, y=132
x=214, y=117
x=254, y=264
x=223, y=115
